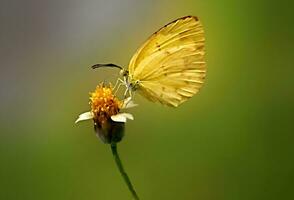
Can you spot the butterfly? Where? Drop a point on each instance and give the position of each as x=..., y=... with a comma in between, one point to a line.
x=169, y=67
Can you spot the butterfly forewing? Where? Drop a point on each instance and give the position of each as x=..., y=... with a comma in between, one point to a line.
x=170, y=65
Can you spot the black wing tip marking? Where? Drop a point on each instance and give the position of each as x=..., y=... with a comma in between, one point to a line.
x=181, y=18
x=190, y=16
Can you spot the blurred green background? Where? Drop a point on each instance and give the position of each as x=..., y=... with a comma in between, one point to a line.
x=232, y=141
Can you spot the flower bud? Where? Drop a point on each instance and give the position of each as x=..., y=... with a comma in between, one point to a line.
x=109, y=122
x=110, y=131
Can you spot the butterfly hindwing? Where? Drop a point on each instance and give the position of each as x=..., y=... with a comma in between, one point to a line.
x=170, y=65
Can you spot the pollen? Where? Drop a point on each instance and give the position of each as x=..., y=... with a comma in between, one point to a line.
x=104, y=103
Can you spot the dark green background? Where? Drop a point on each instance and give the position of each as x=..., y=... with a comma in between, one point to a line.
x=232, y=141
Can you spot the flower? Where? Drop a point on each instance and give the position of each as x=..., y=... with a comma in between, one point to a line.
x=105, y=111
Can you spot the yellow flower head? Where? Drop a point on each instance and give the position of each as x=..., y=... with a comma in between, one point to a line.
x=104, y=104
x=105, y=112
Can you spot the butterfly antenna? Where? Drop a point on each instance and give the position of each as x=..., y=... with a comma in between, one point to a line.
x=106, y=65
x=123, y=71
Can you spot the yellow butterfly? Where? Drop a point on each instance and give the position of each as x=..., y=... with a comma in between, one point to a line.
x=169, y=67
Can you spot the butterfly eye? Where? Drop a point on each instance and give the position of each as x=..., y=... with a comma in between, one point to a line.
x=124, y=72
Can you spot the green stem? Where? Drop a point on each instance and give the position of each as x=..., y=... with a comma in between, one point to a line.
x=122, y=171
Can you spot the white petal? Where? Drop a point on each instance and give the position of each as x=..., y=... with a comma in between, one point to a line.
x=84, y=116
x=131, y=104
x=122, y=117
x=128, y=103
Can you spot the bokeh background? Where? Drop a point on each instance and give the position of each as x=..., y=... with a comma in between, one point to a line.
x=232, y=141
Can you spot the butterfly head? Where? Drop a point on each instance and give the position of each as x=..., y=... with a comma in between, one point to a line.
x=129, y=81
x=133, y=85
x=124, y=72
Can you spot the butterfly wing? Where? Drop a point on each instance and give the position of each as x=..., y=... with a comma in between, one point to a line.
x=170, y=66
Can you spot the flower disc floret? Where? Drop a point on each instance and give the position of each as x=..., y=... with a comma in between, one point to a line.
x=104, y=104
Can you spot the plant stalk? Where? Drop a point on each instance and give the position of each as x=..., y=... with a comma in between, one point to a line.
x=122, y=171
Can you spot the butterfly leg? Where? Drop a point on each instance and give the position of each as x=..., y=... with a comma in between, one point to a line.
x=116, y=84
x=125, y=82
x=130, y=93
x=119, y=84
x=126, y=92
